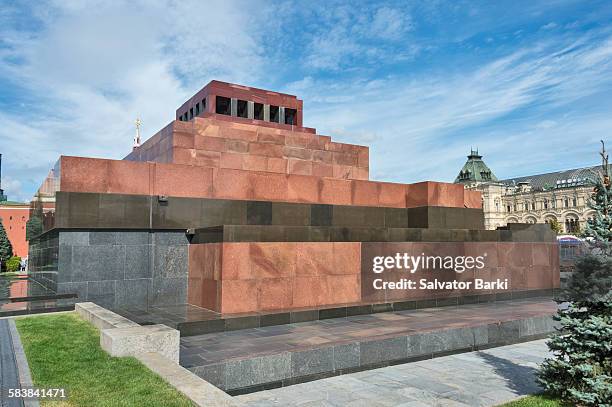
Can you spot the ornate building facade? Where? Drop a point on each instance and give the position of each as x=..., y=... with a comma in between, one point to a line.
x=561, y=196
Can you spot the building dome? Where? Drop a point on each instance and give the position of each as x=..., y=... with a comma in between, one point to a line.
x=475, y=170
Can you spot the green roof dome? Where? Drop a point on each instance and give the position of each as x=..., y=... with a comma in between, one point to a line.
x=475, y=170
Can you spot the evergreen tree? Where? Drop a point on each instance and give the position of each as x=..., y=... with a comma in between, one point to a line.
x=34, y=227
x=580, y=371
x=555, y=226
x=6, y=249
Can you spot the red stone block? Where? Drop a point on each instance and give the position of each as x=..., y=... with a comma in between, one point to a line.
x=302, y=167
x=444, y=194
x=237, y=146
x=322, y=156
x=298, y=140
x=183, y=140
x=78, y=174
x=516, y=254
x=311, y=291
x=360, y=173
x=347, y=258
x=322, y=170
x=208, y=158
x=255, y=163
x=295, y=152
x=231, y=160
x=210, y=295
x=236, y=262
x=231, y=184
x=275, y=293
x=272, y=260
x=541, y=254
x=363, y=158
x=335, y=191
x=344, y=159
x=416, y=195
x=268, y=186
x=278, y=165
x=472, y=199
x=314, y=258
x=365, y=193
x=231, y=133
x=210, y=143
x=128, y=177
x=265, y=137
x=239, y=296
x=184, y=180
x=302, y=188
x=184, y=156
x=344, y=288
x=267, y=150
x=392, y=195
x=540, y=277
x=342, y=171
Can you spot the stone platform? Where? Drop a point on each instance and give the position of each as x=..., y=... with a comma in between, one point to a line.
x=254, y=359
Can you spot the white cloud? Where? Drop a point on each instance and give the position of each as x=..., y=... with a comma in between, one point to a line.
x=423, y=122
x=90, y=69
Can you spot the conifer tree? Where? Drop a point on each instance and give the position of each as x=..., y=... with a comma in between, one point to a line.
x=580, y=371
x=6, y=249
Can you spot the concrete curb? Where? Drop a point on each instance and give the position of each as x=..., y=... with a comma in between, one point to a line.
x=196, y=389
x=157, y=347
x=25, y=378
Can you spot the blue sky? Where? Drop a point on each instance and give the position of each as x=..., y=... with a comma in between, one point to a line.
x=526, y=82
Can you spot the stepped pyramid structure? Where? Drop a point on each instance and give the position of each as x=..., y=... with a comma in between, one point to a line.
x=237, y=207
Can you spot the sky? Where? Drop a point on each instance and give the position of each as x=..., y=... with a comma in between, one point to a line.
x=528, y=83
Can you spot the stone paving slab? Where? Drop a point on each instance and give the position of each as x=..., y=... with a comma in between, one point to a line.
x=260, y=358
x=483, y=378
x=9, y=374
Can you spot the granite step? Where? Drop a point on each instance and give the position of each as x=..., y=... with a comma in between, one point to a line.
x=255, y=359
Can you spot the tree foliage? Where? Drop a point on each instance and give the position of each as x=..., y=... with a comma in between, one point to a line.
x=34, y=227
x=6, y=248
x=580, y=371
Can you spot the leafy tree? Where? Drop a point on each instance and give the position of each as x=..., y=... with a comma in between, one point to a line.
x=555, y=225
x=13, y=264
x=580, y=371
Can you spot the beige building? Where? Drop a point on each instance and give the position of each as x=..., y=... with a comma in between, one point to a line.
x=561, y=195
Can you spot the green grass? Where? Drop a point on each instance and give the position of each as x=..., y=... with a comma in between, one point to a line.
x=64, y=351
x=535, y=401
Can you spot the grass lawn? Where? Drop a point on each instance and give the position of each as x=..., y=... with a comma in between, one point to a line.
x=64, y=351
x=534, y=401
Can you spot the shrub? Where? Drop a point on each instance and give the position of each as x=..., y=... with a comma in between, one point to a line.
x=13, y=264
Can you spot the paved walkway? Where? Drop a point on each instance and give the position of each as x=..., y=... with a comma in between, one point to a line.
x=9, y=375
x=485, y=378
x=213, y=348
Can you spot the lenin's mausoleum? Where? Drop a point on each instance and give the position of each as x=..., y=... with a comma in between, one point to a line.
x=236, y=207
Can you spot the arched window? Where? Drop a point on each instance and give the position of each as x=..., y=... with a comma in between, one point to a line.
x=546, y=204
x=566, y=202
x=574, y=203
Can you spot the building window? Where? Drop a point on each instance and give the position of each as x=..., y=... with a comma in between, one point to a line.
x=274, y=114
x=514, y=207
x=566, y=202
x=224, y=106
x=574, y=202
x=526, y=206
x=290, y=116
x=242, y=108
x=258, y=111
x=203, y=105
x=508, y=207
x=197, y=113
x=533, y=206
x=546, y=204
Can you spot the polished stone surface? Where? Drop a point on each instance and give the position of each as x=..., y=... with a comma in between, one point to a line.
x=484, y=378
x=250, y=359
